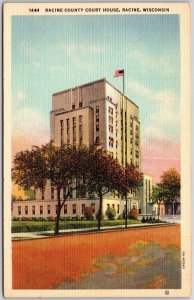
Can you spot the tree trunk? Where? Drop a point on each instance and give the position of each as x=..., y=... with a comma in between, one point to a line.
x=100, y=213
x=58, y=212
x=158, y=211
x=125, y=211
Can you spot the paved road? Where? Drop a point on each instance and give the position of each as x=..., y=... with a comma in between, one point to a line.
x=44, y=234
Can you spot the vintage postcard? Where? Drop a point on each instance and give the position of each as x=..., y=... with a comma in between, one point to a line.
x=97, y=149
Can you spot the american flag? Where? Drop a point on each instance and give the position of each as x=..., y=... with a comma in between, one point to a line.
x=119, y=73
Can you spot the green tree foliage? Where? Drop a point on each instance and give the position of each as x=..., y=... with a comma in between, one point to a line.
x=131, y=178
x=110, y=213
x=30, y=194
x=158, y=196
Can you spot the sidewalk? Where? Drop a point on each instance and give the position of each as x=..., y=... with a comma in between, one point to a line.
x=47, y=234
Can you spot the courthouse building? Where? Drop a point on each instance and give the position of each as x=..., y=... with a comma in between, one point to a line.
x=95, y=112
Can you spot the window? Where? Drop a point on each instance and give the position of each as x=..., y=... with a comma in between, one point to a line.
x=64, y=192
x=83, y=208
x=131, y=151
x=131, y=141
x=41, y=210
x=149, y=190
x=74, y=133
x=65, y=209
x=111, y=142
x=33, y=210
x=131, y=124
x=118, y=208
x=108, y=206
x=52, y=192
x=56, y=209
x=97, y=127
x=137, y=154
x=74, y=121
x=80, y=104
x=110, y=110
x=113, y=206
x=80, y=130
x=111, y=154
x=74, y=208
x=48, y=209
x=137, y=128
x=110, y=129
x=97, y=109
x=61, y=122
x=26, y=210
x=131, y=132
x=19, y=210
x=73, y=106
x=70, y=194
x=93, y=208
x=110, y=119
x=68, y=132
x=97, y=118
x=42, y=195
x=97, y=140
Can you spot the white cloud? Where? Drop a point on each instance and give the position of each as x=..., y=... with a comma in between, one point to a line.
x=30, y=123
x=37, y=64
x=140, y=89
x=160, y=111
x=72, y=48
x=27, y=49
x=160, y=64
x=154, y=133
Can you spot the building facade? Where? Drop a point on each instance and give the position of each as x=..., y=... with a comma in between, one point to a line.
x=91, y=113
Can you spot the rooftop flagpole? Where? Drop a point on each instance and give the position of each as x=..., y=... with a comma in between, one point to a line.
x=119, y=73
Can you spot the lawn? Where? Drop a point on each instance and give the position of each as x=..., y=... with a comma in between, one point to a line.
x=35, y=226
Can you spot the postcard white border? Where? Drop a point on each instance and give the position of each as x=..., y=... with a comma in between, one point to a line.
x=183, y=9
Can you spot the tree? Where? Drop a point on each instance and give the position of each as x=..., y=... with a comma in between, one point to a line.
x=131, y=178
x=58, y=165
x=158, y=196
x=103, y=175
x=110, y=213
x=88, y=213
x=133, y=213
x=170, y=182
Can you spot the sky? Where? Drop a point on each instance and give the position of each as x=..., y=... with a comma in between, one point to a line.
x=54, y=53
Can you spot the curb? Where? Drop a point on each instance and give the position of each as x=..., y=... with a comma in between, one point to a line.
x=93, y=231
